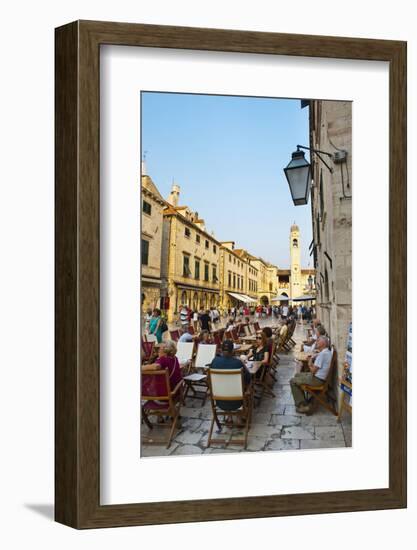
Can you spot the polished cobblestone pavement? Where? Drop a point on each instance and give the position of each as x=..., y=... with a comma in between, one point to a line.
x=276, y=426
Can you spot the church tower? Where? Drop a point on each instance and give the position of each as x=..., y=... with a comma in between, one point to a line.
x=295, y=256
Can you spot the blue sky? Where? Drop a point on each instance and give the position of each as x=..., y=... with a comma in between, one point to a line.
x=227, y=154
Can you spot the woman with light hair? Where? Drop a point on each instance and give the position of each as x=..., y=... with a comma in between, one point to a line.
x=167, y=360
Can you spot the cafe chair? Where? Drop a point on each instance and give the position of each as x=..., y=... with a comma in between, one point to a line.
x=159, y=400
x=196, y=379
x=263, y=384
x=232, y=335
x=148, y=350
x=185, y=352
x=228, y=385
x=217, y=339
x=319, y=394
x=247, y=330
x=175, y=335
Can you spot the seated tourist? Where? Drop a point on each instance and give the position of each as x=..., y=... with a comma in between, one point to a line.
x=319, y=366
x=205, y=337
x=310, y=345
x=284, y=330
x=230, y=324
x=259, y=352
x=268, y=333
x=227, y=361
x=166, y=360
x=186, y=336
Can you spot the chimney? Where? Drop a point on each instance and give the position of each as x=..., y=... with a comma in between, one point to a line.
x=174, y=195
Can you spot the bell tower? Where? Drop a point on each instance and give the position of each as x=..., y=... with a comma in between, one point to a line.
x=295, y=255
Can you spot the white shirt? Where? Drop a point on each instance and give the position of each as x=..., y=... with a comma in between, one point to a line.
x=323, y=362
x=184, y=316
x=285, y=311
x=186, y=337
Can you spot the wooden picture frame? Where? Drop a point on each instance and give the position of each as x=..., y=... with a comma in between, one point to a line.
x=77, y=406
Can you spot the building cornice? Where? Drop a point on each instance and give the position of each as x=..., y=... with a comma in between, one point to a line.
x=171, y=211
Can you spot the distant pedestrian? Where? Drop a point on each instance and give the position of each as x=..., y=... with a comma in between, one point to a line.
x=205, y=321
x=184, y=316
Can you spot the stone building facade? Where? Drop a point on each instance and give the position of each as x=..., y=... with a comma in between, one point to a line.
x=182, y=263
x=238, y=278
x=190, y=259
x=331, y=204
x=151, y=243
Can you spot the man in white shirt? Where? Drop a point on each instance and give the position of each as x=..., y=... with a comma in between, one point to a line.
x=284, y=313
x=319, y=366
x=184, y=316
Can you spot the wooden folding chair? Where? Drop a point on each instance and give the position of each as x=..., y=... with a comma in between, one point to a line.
x=158, y=399
x=228, y=385
x=274, y=360
x=175, y=335
x=247, y=330
x=148, y=350
x=281, y=343
x=185, y=352
x=256, y=326
x=319, y=393
x=262, y=383
x=196, y=380
x=232, y=335
x=217, y=339
x=291, y=330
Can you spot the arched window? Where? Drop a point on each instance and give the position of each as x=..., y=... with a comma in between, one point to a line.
x=184, y=298
x=295, y=243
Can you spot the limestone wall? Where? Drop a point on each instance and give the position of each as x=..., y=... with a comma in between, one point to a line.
x=331, y=131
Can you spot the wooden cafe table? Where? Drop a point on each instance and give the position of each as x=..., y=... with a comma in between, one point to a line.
x=253, y=366
x=303, y=358
x=248, y=339
x=242, y=348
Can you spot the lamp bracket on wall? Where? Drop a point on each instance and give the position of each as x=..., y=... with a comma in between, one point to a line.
x=319, y=153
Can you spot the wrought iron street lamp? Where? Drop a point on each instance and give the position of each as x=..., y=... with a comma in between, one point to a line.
x=298, y=174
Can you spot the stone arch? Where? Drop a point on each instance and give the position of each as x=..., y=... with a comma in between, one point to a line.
x=195, y=301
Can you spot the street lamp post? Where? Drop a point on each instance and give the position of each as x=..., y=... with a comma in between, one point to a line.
x=298, y=174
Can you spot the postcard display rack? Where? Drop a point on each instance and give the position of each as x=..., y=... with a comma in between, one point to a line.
x=346, y=379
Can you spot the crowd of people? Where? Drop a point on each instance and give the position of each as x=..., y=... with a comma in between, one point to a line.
x=317, y=346
x=319, y=352
x=208, y=319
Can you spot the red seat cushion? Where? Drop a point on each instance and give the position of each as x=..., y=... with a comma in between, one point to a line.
x=156, y=405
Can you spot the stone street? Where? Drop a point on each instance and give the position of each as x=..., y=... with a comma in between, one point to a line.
x=276, y=425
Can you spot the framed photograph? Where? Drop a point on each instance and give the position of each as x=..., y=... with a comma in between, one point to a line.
x=230, y=241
